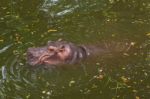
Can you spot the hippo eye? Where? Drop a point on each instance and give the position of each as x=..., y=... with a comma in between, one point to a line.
x=62, y=48
x=51, y=49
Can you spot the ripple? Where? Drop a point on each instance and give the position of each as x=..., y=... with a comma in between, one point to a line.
x=5, y=48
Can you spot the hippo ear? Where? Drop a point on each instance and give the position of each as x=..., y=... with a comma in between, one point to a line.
x=60, y=39
x=49, y=42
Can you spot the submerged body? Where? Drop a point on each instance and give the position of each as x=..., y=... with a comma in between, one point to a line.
x=62, y=52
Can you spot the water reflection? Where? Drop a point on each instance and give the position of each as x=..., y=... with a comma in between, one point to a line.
x=5, y=48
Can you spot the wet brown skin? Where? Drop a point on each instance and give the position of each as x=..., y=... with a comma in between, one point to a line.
x=62, y=52
x=56, y=52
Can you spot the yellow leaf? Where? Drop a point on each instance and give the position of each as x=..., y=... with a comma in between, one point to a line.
x=124, y=79
x=148, y=34
x=51, y=30
x=1, y=40
x=136, y=97
x=71, y=83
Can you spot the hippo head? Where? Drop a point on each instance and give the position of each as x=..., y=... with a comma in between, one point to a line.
x=56, y=52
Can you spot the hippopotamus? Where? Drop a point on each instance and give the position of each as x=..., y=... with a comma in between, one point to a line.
x=63, y=52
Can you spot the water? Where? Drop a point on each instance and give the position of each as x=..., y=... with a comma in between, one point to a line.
x=27, y=23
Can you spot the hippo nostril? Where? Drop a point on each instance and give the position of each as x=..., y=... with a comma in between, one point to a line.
x=30, y=55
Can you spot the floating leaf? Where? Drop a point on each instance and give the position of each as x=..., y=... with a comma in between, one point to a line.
x=1, y=40
x=100, y=77
x=124, y=79
x=137, y=97
x=135, y=91
x=148, y=34
x=71, y=82
x=51, y=30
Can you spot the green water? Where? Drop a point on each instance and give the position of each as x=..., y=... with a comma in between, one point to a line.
x=28, y=23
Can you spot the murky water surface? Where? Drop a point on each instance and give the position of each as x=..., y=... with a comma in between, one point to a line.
x=28, y=23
